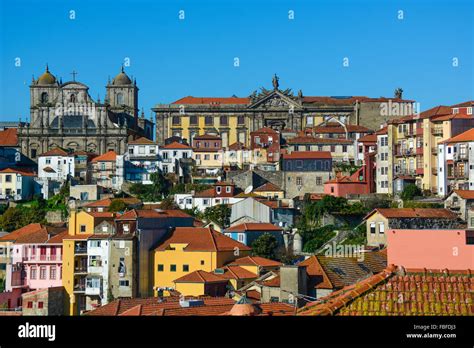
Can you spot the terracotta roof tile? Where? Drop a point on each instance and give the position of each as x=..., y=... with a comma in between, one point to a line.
x=176, y=145
x=21, y=171
x=268, y=187
x=201, y=277
x=141, y=141
x=9, y=137
x=57, y=151
x=318, y=140
x=200, y=239
x=428, y=213
x=369, y=138
x=237, y=272
x=237, y=146
x=32, y=233
x=467, y=136
x=465, y=194
x=212, y=100
x=256, y=261
x=308, y=155
x=109, y=156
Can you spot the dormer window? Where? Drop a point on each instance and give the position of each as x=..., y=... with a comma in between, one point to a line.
x=218, y=189
x=72, y=98
x=455, y=110
x=120, y=99
x=227, y=189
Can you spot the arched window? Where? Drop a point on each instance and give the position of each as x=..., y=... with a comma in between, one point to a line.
x=72, y=98
x=120, y=99
x=44, y=97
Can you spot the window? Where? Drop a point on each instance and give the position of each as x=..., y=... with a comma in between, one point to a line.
x=33, y=153
x=189, y=201
x=223, y=120
x=121, y=267
x=82, y=228
x=228, y=189
x=193, y=120
x=381, y=228
x=209, y=121
x=185, y=268
x=299, y=180
x=344, y=148
x=52, y=272
x=152, y=149
x=126, y=228
x=241, y=119
x=205, y=201
x=95, y=243
x=218, y=189
x=105, y=229
x=8, y=178
x=44, y=97
x=372, y=227
x=470, y=237
x=176, y=120
x=40, y=304
x=124, y=283
x=333, y=148
x=130, y=150
x=240, y=237
x=207, y=157
x=141, y=150
x=119, y=99
x=172, y=268
x=33, y=272
x=30, y=304
x=198, y=157
x=72, y=98
x=42, y=272
x=202, y=262
x=161, y=268
x=319, y=181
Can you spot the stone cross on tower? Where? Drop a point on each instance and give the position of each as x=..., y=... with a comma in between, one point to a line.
x=74, y=73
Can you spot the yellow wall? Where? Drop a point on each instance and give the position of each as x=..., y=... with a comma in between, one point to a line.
x=271, y=194
x=375, y=239
x=68, y=274
x=9, y=185
x=209, y=163
x=190, y=289
x=77, y=219
x=183, y=127
x=180, y=257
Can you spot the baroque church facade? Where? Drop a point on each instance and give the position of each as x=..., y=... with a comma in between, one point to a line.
x=234, y=118
x=64, y=115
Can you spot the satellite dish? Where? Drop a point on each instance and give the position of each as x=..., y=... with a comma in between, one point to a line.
x=218, y=178
x=248, y=189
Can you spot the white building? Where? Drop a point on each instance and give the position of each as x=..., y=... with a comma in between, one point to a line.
x=455, y=165
x=54, y=168
x=138, y=163
x=171, y=157
x=97, y=281
x=17, y=184
x=382, y=162
x=221, y=193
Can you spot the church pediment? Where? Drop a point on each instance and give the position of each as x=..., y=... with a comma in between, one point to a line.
x=275, y=99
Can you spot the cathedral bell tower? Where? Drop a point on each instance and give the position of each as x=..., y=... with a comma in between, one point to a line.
x=122, y=95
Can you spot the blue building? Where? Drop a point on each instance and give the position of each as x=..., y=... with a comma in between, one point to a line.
x=248, y=232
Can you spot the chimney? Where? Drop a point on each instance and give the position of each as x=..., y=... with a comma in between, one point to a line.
x=293, y=282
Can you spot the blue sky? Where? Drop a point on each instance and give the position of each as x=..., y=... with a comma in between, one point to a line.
x=172, y=58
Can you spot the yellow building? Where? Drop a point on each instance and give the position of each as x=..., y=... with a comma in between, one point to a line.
x=189, y=249
x=81, y=226
x=270, y=190
x=413, y=141
x=256, y=264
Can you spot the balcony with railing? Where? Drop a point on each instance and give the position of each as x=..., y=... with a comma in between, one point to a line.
x=403, y=151
x=43, y=258
x=80, y=249
x=437, y=131
x=461, y=156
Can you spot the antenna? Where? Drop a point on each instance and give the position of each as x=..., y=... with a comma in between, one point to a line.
x=248, y=189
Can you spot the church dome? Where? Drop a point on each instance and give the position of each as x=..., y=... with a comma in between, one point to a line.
x=122, y=79
x=47, y=78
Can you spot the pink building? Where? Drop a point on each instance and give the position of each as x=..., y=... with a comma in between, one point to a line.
x=431, y=249
x=35, y=260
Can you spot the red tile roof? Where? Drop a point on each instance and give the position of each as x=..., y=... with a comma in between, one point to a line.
x=211, y=192
x=141, y=141
x=200, y=239
x=467, y=136
x=57, y=151
x=207, y=137
x=58, y=239
x=308, y=155
x=272, y=283
x=465, y=194
x=237, y=272
x=9, y=137
x=109, y=156
x=211, y=100
x=426, y=213
x=317, y=140
x=237, y=146
x=337, y=128
x=268, y=187
x=176, y=145
x=22, y=171
x=253, y=226
x=35, y=233
x=396, y=292
x=382, y=131
x=150, y=213
x=255, y=261
x=201, y=277
x=369, y=138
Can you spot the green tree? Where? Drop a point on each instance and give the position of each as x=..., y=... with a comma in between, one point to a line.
x=11, y=219
x=117, y=205
x=168, y=204
x=265, y=246
x=219, y=214
x=409, y=192
x=156, y=191
x=314, y=238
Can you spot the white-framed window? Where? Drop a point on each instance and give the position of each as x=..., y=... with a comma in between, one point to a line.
x=372, y=228
x=205, y=201
x=126, y=228
x=96, y=243
x=381, y=228
x=228, y=189
x=218, y=189
x=125, y=283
